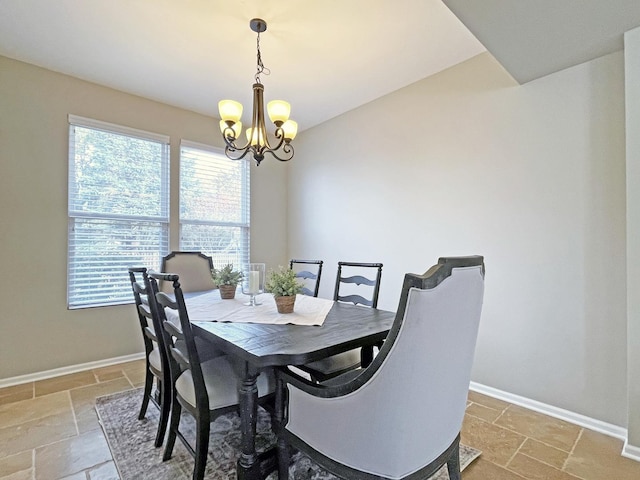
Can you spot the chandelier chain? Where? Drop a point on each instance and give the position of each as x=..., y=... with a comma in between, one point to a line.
x=260, y=68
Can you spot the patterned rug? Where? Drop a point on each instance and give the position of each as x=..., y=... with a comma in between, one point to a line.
x=131, y=443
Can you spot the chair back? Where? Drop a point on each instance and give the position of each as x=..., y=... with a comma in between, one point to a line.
x=307, y=276
x=137, y=285
x=152, y=313
x=179, y=335
x=193, y=268
x=417, y=386
x=141, y=301
x=357, y=278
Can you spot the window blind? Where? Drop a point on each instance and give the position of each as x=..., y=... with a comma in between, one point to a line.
x=118, y=209
x=214, y=204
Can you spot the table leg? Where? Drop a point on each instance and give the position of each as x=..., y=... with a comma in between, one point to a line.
x=248, y=463
x=366, y=355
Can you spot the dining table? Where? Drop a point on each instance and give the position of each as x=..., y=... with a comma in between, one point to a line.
x=272, y=341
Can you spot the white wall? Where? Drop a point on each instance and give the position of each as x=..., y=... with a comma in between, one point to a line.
x=532, y=177
x=37, y=332
x=632, y=81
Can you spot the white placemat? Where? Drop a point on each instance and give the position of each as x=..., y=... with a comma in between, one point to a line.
x=210, y=307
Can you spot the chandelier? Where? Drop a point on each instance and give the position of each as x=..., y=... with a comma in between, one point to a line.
x=258, y=144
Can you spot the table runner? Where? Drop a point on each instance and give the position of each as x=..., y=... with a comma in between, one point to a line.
x=210, y=307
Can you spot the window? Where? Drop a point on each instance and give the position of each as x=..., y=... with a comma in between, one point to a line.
x=118, y=209
x=214, y=204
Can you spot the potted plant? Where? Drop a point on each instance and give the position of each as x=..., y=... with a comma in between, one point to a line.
x=227, y=280
x=284, y=286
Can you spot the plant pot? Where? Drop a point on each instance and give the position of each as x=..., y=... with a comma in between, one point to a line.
x=285, y=304
x=227, y=292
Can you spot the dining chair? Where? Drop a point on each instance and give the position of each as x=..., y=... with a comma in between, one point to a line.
x=357, y=277
x=156, y=364
x=205, y=389
x=194, y=269
x=403, y=412
x=330, y=367
x=308, y=276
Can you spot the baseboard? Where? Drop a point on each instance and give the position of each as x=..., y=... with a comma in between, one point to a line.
x=605, y=428
x=56, y=372
x=629, y=451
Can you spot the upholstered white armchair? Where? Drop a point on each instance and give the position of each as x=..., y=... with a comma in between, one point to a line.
x=402, y=415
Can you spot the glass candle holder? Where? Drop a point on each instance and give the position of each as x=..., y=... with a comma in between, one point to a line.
x=253, y=281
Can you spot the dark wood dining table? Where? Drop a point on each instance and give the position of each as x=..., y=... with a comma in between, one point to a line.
x=264, y=346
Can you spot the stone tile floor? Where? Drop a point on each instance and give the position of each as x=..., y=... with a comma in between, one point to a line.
x=49, y=431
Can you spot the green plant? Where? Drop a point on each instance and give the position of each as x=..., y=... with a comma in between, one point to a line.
x=226, y=275
x=283, y=283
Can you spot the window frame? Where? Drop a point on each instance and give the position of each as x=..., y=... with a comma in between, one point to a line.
x=245, y=194
x=73, y=215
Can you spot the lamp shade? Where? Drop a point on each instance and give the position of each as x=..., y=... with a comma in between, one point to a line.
x=290, y=128
x=279, y=111
x=230, y=110
x=236, y=127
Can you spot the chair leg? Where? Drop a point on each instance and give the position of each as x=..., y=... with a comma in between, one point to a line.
x=165, y=409
x=284, y=459
x=148, y=384
x=366, y=356
x=202, y=444
x=282, y=448
x=453, y=464
x=176, y=410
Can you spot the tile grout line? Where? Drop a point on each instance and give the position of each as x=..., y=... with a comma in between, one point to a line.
x=500, y=416
x=575, y=444
x=548, y=464
x=516, y=453
x=73, y=412
x=128, y=379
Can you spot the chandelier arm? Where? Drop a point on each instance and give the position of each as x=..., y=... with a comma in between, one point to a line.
x=229, y=152
x=279, y=134
x=287, y=148
x=230, y=139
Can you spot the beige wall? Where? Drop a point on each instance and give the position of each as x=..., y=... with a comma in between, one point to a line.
x=632, y=80
x=37, y=332
x=532, y=177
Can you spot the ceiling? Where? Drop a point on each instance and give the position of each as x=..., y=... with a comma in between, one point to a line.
x=532, y=39
x=326, y=57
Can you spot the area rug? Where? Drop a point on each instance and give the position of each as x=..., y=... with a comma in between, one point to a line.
x=131, y=444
